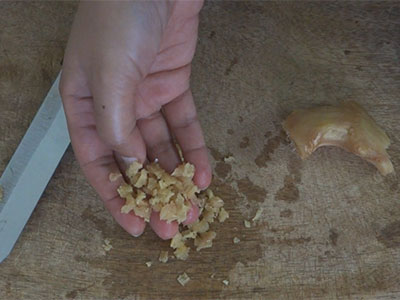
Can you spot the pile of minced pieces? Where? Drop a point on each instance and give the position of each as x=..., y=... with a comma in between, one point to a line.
x=152, y=188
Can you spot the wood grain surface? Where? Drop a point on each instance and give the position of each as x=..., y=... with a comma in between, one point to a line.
x=330, y=227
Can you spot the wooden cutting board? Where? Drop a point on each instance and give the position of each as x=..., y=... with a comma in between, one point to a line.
x=330, y=226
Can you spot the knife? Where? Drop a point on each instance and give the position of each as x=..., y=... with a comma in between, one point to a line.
x=31, y=167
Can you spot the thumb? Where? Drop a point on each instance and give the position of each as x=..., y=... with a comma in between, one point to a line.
x=121, y=42
x=113, y=90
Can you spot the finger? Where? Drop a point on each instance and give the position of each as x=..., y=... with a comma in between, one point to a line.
x=96, y=159
x=159, y=145
x=192, y=215
x=182, y=120
x=114, y=109
x=158, y=140
x=162, y=228
x=185, y=20
x=160, y=88
x=137, y=150
x=168, y=230
x=97, y=172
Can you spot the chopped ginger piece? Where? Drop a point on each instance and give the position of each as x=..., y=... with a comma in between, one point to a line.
x=208, y=215
x=226, y=282
x=188, y=234
x=183, y=279
x=174, y=212
x=151, y=188
x=223, y=215
x=200, y=226
x=182, y=252
x=258, y=214
x=180, y=153
x=149, y=264
x=107, y=245
x=247, y=224
x=114, y=176
x=176, y=241
x=204, y=240
x=152, y=184
x=142, y=179
x=229, y=159
x=125, y=190
x=156, y=170
x=184, y=170
x=216, y=202
x=138, y=205
x=347, y=126
x=236, y=240
x=133, y=169
x=163, y=256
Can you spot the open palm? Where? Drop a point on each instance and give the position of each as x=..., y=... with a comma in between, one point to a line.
x=125, y=89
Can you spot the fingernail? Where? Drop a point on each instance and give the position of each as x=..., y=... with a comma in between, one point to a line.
x=128, y=160
x=136, y=235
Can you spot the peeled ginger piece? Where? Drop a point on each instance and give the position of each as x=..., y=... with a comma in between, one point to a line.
x=347, y=126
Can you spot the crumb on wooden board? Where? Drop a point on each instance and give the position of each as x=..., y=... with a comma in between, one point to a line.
x=163, y=256
x=107, y=245
x=149, y=263
x=229, y=159
x=183, y=279
x=258, y=214
x=247, y=223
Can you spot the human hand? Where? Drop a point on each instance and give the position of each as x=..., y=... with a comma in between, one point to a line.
x=125, y=90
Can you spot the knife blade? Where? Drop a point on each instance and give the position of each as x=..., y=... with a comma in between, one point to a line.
x=31, y=167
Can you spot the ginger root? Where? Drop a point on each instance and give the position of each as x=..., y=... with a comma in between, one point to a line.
x=347, y=126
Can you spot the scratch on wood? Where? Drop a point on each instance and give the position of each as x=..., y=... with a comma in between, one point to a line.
x=333, y=236
x=390, y=235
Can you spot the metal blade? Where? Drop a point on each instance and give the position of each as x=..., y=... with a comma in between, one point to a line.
x=31, y=168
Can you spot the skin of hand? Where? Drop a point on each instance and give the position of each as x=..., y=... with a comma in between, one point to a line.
x=125, y=90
